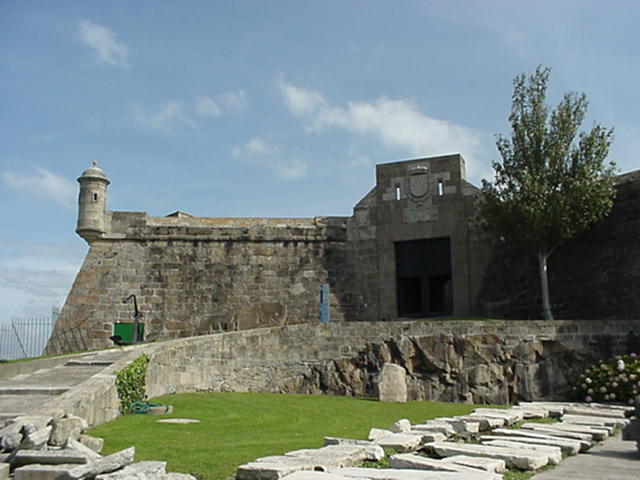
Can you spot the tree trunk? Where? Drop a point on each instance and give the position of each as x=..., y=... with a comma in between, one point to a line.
x=544, y=285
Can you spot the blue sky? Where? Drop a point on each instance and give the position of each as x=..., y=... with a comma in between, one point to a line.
x=268, y=108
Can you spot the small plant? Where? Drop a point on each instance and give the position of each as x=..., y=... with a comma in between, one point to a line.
x=615, y=380
x=131, y=382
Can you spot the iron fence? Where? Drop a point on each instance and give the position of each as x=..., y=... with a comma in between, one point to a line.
x=25, y=337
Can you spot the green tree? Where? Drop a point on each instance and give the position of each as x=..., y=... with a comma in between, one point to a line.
x=552, y=182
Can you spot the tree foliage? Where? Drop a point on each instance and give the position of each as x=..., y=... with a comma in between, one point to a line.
x=552, y=181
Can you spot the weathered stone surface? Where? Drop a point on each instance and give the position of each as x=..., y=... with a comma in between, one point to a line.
x=554, y=453
x=462, y=427
x=582, y=437
x=178, y=476
x=419, y=462
x=4, y=471
x=346, y=441
x=493, y=465
x=401, y=426
x=400, y=442
x=40, y=421
x=408, y=474
x=137, y=471
x=511, y=416
x=392, y=385
x=93, y=443
x=78, y=447
x=311, y=475
x=435, y=426
x=376, y=433
x=521, y=459
x=485, y=423
x=35, y=440
x=65, y=428
x=594, y=411
x=372, y=451
x=597, y=434
x=10, y=441
x=594, y=421
x=531, y=412
x=568, y=447
x=105, y=465
x=322, y=459
x=42, y=472
x=47, y=457
x=428, y=437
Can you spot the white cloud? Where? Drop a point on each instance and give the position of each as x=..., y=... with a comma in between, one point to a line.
x=265, y=149
x=255, y=146
x=102, y=40
x=45, y=184
x=207, y=107
x=301, y=101
x=166, y=119
x=397, y=124
x=216, y=105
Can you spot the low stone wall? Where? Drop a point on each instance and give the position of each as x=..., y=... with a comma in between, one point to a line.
x=460, y=361
x=480, y=362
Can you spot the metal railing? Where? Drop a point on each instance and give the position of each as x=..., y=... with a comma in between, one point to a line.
x=25, y=337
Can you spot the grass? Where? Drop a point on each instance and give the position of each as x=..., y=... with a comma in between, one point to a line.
x=237, y=428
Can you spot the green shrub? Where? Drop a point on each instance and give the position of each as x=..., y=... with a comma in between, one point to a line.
x=615, y=380
x=130, y=383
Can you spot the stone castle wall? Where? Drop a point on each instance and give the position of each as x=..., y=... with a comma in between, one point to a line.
x=596, y=275
x=197, y=276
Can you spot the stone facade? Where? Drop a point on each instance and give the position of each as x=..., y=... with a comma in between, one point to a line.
x=410, y=249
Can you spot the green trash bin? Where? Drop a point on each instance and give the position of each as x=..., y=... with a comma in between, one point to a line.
x=125, y=331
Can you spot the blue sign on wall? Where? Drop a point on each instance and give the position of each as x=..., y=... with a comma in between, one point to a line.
x=324, y=303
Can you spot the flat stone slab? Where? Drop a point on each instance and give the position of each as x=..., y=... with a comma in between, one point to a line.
x=582, y=437
x=400, y=442
x=321, y=459
x=406, y=474
x=137, y=471
x=493, y=465
x=485, y=423
x=597, y=434
x=594, y=411
x=435, y=426
x=372, y=451
x=609, y=422
x=178, y=420
x=511, y=416
x=583, y=445
x=568, y=447
x=428, y=437
x=48, y=457
x=41, y=472
x=105, y=465
x=530, y=412
x=521, y=459
x=463, y=426
x=554, y=453
x=419, y=462
x=311, y=475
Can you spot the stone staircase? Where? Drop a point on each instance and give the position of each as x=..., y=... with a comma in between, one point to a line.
x=26, y=386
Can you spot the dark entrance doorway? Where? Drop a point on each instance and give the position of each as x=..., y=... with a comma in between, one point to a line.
x=423, y=277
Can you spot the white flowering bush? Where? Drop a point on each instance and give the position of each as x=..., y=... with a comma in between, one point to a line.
x=616, y=380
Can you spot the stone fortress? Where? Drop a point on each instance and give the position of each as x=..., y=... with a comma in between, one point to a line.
x=411, y=249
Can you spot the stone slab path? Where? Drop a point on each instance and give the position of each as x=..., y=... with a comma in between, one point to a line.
x=23, y=390
x=615, y=459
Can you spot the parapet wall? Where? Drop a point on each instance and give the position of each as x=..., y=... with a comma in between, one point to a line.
x=479, y=362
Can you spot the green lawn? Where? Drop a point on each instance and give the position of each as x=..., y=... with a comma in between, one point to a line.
x=239, y=427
